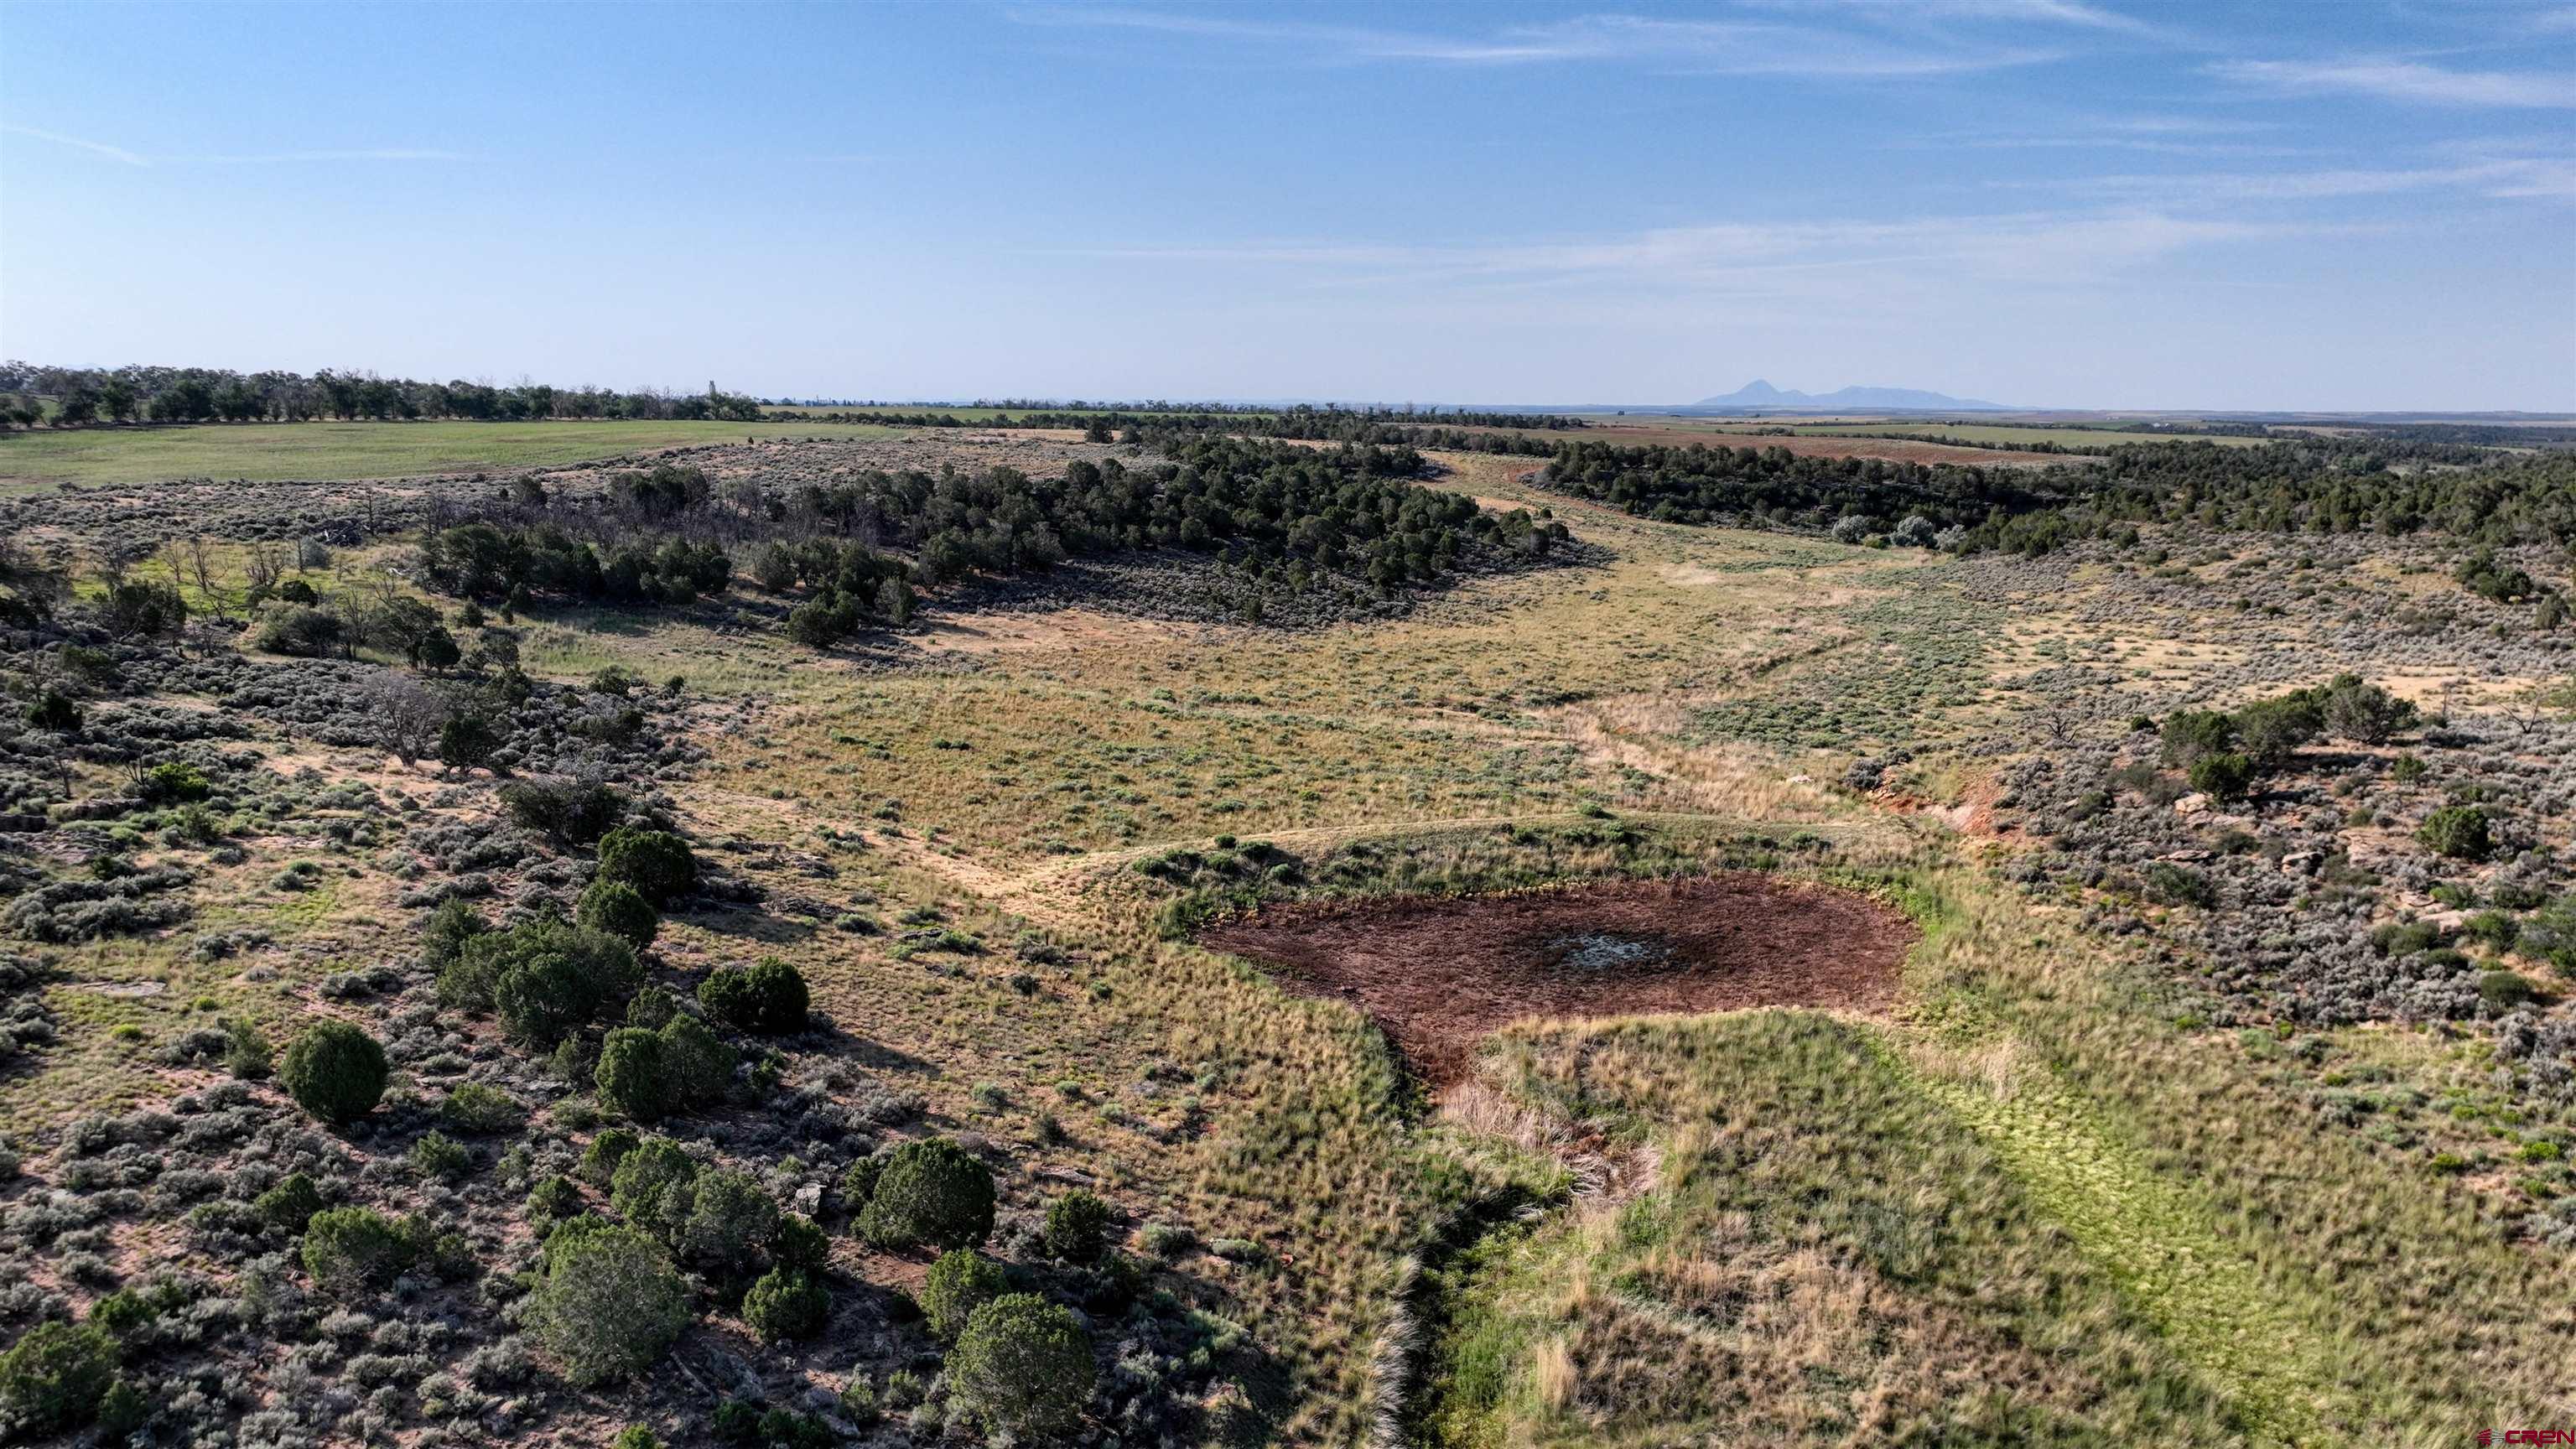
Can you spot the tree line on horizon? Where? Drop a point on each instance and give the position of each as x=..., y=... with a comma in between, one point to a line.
x=86, y=396
x=2306, y=484
x=91, y=395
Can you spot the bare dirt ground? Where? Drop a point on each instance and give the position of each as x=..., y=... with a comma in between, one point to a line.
x=1439, y=974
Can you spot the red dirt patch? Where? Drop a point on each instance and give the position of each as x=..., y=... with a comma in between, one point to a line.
x=1440, y=973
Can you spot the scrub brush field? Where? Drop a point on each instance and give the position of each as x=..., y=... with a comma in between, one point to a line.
x=1280, y=929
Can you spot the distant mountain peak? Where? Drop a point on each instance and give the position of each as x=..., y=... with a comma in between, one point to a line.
x=1760, y=393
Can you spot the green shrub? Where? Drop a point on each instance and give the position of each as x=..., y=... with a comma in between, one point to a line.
x=859, y=1182
x=648, y=1075
x=122, y=1410
x=824, y=620
x=633, y=1076
x=139, y=608
x=1077, y=1228
x=798, y=1243
x=334, y=1071
x=2176, y=885
x=171, y=780
x=553, y=1200
x=2502, y=991
x=573, y=812
x=656, y=863
x=930, y=1192
x=2489, y=577
x=287, y=1207
x=444, y=934
x=2496, y=928
x=297, y=629
x=2363, y=713
x=55, y=1377
x=959, y=1283
x=1023, y=1367
x=2188, y=734
x=123, y=1315
x=768, y=998
x=652, y=1009
x=437, y=1155
x=1113, y=1285
x=634, y=1436
x=2270, y=731
x=544, y=998
x=617, y=909
x=196, y=824
x=2224, y=776
x=599, y=1160
x=737, y=1421
x=467, y=740
x=54, y=710
x=352, y=1249
x=1166, y=1242
x=608, y=1304
x=481, y=1107
x=859, y=1400
x=247, y=1054
x=2457, y=831
x=560, y=1235
x=543, y=978
x=652, y=1187
x=786, y=1304
x=730, y=1221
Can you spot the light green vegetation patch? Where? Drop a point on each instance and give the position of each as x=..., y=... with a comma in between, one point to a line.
x=280, y=452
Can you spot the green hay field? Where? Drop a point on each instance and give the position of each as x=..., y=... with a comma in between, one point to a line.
x=280, y=452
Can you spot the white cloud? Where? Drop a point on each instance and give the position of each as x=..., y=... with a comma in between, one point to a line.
x=1846, y=259
x=1717, y=47
x=113, y=153
x=2501, y=177
x=2403, y=80
x=389, y=153
x=132, y=158
x=2062, y=12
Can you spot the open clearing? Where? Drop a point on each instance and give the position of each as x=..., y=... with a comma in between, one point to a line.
x=1950, y=1136
x=1439, y=974
x=278, y=452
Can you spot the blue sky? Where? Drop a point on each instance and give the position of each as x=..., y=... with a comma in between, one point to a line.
x=2337, y=204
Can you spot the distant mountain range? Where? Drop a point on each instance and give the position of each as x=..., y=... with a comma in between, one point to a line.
x=1760, y=394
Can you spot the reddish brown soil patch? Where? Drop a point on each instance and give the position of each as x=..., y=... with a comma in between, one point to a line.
x=1440, y=973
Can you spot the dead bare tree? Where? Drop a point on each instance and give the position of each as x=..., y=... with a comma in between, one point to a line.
x=265, y=566
x=201, y=567
x=407, y=715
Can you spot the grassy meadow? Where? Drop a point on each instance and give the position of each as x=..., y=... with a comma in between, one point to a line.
x=282, y=452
